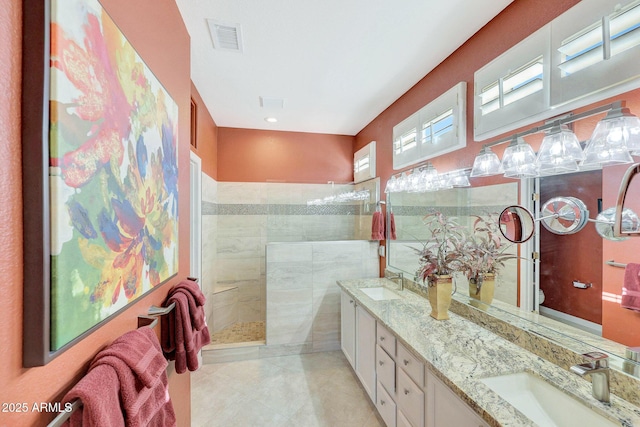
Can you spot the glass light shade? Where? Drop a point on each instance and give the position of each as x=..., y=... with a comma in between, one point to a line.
x=486, y=163
x=559, y=152
x=458, y=179
x=611, y=139
x=519, y=160
x=413, y=181
x=625, y=126
x=392, y=185
x=403, y=182
x=443, y=182
x=430, y=178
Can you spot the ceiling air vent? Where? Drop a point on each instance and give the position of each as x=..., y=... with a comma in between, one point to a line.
x=225, y=36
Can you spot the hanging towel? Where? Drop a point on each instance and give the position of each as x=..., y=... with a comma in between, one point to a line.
x=392, y=227
x=184, y=329
x=126, y=385
x=631, y=287
x=377, y=226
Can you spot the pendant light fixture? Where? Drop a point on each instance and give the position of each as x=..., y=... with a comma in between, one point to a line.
x=519, y=160
x=559, y=152
x=613, y=138
x=486, y=163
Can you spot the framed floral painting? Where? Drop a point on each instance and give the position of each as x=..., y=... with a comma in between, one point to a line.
x=101, y=176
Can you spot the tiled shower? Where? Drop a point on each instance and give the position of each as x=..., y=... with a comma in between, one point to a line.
x=239, y=220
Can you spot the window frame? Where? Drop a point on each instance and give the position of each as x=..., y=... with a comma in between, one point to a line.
x=453, y=101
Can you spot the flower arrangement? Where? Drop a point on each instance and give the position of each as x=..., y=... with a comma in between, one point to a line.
x=484, y=252
x=443, y=254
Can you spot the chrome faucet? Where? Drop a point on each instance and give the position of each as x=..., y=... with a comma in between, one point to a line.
x=598, y=367
x=390, y=275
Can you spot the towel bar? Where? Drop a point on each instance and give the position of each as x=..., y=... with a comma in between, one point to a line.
x=147, y=321
x=151, y=318
x=612, y=263
x=161, y=311
x=65, y=415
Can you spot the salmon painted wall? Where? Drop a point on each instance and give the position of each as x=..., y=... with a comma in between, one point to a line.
x=206, y=136
x=512, y=25
x=156, y=30
x=251, y=155
x=516, y=22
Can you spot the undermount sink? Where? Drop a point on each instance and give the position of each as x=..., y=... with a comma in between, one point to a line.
x=543, y=403
x=380, y=293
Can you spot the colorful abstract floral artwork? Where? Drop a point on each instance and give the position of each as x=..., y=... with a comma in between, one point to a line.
x=113, y=172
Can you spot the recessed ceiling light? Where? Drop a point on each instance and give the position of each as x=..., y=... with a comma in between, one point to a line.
x=270, y=119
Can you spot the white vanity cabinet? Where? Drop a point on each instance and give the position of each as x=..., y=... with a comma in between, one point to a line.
x=366, y=351
x=445, y=409
x=400, y=377
x=405, y=392
x=348, y=328
x=358, y=342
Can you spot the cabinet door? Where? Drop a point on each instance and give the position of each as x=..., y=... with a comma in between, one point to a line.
x=348, y=328
x=366, y=351
x=445, y=409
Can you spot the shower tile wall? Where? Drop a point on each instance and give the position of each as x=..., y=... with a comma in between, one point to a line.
x=303, y=298
x=209, y=240
x=239, y=219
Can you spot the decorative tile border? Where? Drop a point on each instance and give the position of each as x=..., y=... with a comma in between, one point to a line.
x=446, y=210
x=209, y=208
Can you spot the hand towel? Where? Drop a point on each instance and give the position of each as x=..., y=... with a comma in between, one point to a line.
x=377, y=226
x=392, y=227
x=184, y=329
x=126, y=385
x=631, y=287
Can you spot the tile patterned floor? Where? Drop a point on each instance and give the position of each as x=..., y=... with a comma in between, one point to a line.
x=309, y=390
x=240, y=332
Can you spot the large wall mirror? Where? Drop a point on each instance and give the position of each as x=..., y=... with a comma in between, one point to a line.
x=460, y=204
x=565, y=285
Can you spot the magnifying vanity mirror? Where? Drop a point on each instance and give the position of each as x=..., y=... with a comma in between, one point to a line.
x=516, y=224
x=623, y=227
x=563, y=216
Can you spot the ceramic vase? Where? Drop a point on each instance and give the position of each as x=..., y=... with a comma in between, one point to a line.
x=482, y=287
x=439, y=293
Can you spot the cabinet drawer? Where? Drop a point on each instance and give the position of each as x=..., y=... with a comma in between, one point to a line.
x=411, y=365
x=386, y=340
x=410, y=399
x=386, y=406
x=386, y=370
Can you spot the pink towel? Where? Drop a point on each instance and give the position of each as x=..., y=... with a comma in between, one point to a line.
x=631, y=287
x=184, y=330
x=126, y=385
x=392, y=227
x=377, y=226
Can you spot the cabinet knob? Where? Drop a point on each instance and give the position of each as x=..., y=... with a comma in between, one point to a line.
x=381, y=363
x=406, y=391
x=350, y=301
x=382, y=402
x=381, y=338
x=406, y=362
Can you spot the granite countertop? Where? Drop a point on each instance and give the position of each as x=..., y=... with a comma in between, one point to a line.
x=459, y=352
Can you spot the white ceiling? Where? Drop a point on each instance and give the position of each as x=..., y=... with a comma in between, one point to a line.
x=336, y=63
